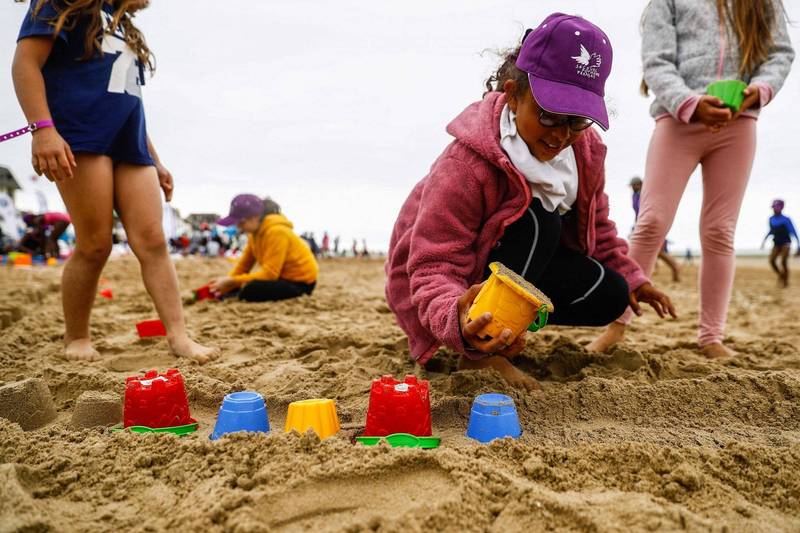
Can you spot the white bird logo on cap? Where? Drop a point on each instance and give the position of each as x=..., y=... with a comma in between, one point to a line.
x=584, y=58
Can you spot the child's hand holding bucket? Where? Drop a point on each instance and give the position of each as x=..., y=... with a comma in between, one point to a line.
x=470, y=328
x=751, y=97
x=712, y=112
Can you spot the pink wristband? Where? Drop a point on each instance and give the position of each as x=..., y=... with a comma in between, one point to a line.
x=30, y=128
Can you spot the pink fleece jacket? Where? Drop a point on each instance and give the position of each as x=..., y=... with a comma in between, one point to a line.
x=455, y=216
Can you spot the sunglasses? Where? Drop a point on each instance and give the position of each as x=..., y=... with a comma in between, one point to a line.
x=575, y=123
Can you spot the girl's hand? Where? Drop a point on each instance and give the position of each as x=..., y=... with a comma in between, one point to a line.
x=223, y=285
x=712, y=112
x=51, y=155
x=470, y=329
x=752, y=96
x=657, y=300
x=165, y=181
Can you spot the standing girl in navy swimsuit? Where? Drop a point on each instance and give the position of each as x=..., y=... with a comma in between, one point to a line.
x=78, y=71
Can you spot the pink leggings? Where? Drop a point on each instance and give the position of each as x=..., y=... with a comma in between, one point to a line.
x=726, y=157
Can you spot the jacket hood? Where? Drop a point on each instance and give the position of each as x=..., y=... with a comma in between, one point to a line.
x=478, y=127
x=273, y=220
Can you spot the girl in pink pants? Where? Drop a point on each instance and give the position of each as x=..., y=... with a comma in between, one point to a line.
x=686, y=45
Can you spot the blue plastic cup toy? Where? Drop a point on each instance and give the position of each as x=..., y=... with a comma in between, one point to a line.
x=493, y=416
x=241, y=411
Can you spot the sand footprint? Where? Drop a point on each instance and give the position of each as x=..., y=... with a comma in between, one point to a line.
x=359, y=500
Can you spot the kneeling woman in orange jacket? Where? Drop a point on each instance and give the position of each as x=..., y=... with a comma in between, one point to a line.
x=287, y=266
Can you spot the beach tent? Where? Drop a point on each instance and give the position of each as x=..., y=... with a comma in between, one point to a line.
x=10, y=221
x=8, y=184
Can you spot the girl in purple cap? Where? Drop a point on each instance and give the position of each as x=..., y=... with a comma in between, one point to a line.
x=78, y=71
x=522, y=184
x=687, y=45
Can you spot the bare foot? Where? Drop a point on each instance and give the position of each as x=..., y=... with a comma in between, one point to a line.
x=186, y=347
x=80, y=350
x=512, y=374
x=613, y=334
x=717, y=350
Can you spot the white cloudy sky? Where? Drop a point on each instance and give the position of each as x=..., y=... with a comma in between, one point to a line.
x=336, y=109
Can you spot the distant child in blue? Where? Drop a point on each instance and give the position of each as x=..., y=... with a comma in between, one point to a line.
x=782, y=231
x=636, y=186
x=78, y=71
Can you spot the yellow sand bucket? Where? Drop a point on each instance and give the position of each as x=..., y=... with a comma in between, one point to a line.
x=319, y=415
x=52, y=261
x=513, y=302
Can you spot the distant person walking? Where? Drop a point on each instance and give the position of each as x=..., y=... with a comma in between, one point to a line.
x=782, y=231
x=636, y=185
x=686, y=45
x=326, y=245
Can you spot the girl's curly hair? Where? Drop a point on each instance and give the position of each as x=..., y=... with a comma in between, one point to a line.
x=508, y=71
x=71, y=11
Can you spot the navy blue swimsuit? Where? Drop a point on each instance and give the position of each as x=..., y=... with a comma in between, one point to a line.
x=96, y=103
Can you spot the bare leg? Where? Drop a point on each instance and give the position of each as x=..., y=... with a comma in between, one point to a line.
x=510, y=373
x=773, y=256
x=673, y=265
x=613, y=334
x=784, y=256
x=89, y=200
x=138, y=200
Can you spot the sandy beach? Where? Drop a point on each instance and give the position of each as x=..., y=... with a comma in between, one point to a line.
x=649, y=437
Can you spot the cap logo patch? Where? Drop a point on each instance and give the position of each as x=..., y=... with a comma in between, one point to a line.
x=588, y=65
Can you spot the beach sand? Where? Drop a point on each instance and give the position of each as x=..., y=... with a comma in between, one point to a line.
x=650, y=437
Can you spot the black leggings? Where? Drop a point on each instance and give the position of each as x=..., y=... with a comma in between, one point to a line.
x=270, y=291
x=583, y=291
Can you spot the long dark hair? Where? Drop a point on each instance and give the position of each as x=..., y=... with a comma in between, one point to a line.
x=71, y=11
x=753, y=23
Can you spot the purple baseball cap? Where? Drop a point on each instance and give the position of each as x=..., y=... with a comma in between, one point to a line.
x=568, y=60
x=243, y=206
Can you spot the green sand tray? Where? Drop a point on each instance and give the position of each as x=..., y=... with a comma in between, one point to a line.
x=402, y=440
x=176, y=430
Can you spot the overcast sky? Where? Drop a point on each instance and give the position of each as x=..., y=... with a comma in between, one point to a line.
x=336, y=109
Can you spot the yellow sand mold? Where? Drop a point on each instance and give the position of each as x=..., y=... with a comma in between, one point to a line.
x=512, y=301
x=319, y=415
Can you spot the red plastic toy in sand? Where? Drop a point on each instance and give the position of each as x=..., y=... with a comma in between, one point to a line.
x=151, y=328
x=106, y=293
x=203, y=293
x=399, y=407
x=156, y=400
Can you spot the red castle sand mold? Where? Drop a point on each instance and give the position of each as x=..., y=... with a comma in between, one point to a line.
x=156, y=400
x=399, y=407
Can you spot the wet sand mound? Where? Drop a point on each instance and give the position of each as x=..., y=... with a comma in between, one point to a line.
x=651, y=436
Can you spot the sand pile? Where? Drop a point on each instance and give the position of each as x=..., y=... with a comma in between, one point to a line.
x=651, y=436
x=27, y=403
x=97, y=409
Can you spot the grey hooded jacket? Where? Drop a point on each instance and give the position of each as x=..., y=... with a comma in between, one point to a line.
x=685, y=48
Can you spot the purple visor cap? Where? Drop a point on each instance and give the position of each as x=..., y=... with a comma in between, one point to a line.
x=568, y=60
x=243, y=206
